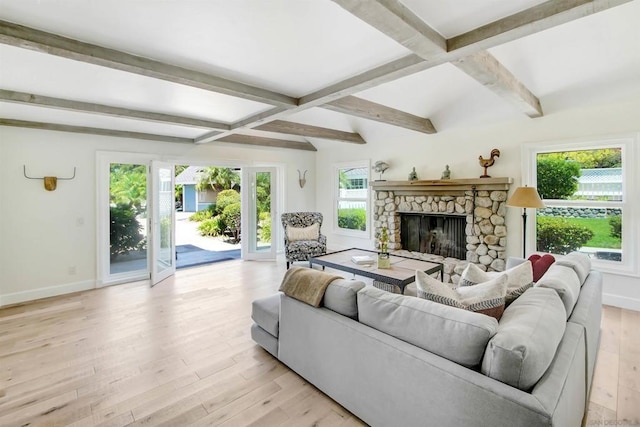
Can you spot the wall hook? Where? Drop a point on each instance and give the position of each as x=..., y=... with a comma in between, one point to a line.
x=302, y=178
x=50, y=182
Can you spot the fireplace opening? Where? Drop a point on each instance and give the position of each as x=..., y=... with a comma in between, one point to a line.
x=437, y=234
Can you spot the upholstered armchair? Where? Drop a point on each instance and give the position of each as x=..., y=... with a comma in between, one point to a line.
x=302, y=237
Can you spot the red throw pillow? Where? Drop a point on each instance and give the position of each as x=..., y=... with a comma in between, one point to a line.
x=540, y=265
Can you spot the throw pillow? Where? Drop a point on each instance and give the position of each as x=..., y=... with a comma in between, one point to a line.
x=485, y=298
x=540, y=265
x=311, y=232
x=519, y=279
x=579, y=262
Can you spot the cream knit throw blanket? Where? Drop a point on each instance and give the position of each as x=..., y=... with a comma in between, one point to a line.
x=306, y=285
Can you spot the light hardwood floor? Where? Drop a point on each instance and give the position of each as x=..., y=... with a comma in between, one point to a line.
x=180, y=354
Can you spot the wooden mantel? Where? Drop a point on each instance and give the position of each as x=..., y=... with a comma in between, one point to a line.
x=442, y=186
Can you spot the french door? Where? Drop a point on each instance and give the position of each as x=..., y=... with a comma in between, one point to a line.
x=259, y=215
x=162, y=220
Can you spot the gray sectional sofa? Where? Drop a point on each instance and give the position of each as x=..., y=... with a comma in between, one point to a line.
x=396, y=360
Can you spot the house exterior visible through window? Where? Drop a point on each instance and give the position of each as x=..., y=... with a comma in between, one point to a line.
x=352, y=198
x=585, y=188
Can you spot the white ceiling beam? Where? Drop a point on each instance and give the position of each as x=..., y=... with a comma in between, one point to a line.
x=381, y=113
x=487, y=70
x=291, y=128
x=267, y=142
x=105, y=110
x=93, y=131
x=29, y=38
x=398, y=22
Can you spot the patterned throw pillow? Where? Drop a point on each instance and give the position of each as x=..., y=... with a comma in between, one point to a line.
x=485, y=298
x=540, y=265
x=519, y=279
x=311, y=232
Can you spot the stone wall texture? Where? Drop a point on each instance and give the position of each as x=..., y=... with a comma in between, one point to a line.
x=486, y=232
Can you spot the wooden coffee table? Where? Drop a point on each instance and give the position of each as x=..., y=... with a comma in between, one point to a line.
x=402, y=271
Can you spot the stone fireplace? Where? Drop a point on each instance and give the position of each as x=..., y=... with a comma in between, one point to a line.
x=421, y=219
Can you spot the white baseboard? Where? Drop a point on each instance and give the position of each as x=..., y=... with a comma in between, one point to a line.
x=622, y=302
x=49, y=291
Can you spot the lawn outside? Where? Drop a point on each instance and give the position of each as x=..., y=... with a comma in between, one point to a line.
x=601, y=232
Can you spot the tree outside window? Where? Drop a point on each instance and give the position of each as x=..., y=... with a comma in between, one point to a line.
x=352, y=197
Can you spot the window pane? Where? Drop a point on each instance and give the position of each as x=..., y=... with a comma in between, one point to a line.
x=352, y=179
x=128, y=213
x=595, y=231
x=581, y=175
x=352, y=215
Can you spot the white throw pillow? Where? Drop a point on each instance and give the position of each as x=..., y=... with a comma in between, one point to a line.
x=311, y=232
x=519, y=278
x=486, y=298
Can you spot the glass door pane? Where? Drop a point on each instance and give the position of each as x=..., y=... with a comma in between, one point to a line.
x=163, y=220
x=258, y=213
x=127, y=218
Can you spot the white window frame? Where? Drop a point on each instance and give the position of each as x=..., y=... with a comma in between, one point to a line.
x=630, y=203
x=366, y=164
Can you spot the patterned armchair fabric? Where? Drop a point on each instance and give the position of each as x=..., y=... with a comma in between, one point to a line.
x=303, y=250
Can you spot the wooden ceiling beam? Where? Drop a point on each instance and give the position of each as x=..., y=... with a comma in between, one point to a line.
x=487, y=70
x=291, y=128
x=398, y=22
x=105, y=110
x=41, y=41
x=93, y=131
x=267, y=142
x=381, y=113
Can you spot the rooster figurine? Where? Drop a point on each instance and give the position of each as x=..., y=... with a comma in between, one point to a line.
x=485, y=163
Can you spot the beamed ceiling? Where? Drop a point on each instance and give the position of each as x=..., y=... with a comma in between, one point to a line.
x=292, y=73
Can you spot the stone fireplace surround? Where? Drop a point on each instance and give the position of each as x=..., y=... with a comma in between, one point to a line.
x=482, y=200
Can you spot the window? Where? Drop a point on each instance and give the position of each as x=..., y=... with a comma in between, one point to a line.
x=352, y=198
x=587, y=188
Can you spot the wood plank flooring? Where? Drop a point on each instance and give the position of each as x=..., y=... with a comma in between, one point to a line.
x=181, y=354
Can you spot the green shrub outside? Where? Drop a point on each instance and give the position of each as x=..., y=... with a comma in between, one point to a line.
x=124, y=232
x=615, y=222
x=557, y=178
x=559, y=236
x=226, y=198
x=264, y=224
x=352, y=219
x=231, y=217
x=206, y=213
x=211, y=227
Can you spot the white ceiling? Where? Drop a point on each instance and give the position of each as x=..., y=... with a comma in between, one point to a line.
x=297, y=47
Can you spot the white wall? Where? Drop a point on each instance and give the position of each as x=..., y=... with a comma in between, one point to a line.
x=43, y=233
x=460, y=148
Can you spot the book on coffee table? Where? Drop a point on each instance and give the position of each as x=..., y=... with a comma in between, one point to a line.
x=362, y=259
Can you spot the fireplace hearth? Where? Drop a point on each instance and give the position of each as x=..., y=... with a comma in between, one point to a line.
x=436, y=234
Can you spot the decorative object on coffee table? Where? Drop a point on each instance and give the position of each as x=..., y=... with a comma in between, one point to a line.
x=384, y=260
x=413, y=175
x=525, y=197
x=380, y=167
x=446, y=173
x=486, y=163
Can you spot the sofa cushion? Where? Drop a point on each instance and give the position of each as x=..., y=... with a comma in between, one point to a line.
x=266, y=313
x=579, y=262
x=528, y=335
x=340, y=297
x=565, y=282
x=540, y=264
x=519, y=279
x=458, y=335
x=486, y=298
x=311, y=232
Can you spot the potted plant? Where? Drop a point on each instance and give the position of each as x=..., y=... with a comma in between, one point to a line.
x=383, y=256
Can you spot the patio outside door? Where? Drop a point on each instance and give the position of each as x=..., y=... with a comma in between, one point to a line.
x=163, y=219
x=259, y=227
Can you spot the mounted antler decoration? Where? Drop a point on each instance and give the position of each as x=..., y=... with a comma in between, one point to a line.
x=50, y=182
x=485, y=163
x=302, y=178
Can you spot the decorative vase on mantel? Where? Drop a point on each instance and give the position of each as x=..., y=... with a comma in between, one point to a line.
x=384, y=260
